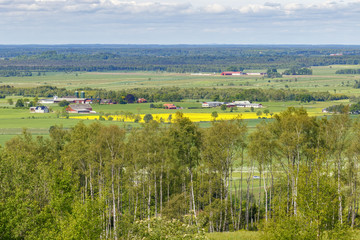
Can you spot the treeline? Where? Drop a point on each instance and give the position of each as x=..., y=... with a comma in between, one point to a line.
x=298, y=71
x=176, y=94
x=294, y=178
x=13, y=73
x=341, y=108
x=348, y=71
x=181, y=58
x=43, y=91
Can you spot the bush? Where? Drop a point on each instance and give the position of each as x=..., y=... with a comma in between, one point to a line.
x=63, y=103
x=161, y=228
x=148, y=117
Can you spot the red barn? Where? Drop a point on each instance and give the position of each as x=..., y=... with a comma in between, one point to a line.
x=79, y=108
x=141, y=100
x=169, y=106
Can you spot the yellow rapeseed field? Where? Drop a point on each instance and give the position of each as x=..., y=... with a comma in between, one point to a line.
x=195, y=117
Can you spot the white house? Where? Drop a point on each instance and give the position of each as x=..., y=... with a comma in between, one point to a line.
x=39, y=109
x=211, y=104
x=46, y=101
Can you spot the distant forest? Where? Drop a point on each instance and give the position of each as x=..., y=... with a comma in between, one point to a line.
x=171, y=58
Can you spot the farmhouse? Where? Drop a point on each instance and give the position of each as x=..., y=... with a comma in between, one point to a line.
x=169, y=106
x=211, y=104
x=231, y=73
x=79, y=108
x=46, y=101
x=106, y=101
x=247, y=104
x=39, y=109
x=241, y=102
x=244, y=104
x=229, y=105
x=141, y=100
x=256, y=74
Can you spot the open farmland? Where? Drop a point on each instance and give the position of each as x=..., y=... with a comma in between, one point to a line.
x=244, y=179
x=323, y=79
x=13, y=120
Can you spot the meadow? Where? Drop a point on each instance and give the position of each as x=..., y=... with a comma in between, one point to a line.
x=14, y=120
x=323, y=79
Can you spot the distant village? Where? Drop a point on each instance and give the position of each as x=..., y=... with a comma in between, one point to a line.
x=80, y=104
x=240, y=73
x=241, y=104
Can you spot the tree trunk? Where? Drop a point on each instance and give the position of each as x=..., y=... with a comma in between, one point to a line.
x=339, y=192
x=114, y=202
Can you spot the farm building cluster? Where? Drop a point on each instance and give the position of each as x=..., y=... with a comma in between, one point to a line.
x=243, y=104
x=80, y=108
x=39, y=109
x=78, y=103
x=242, y=74
x=77, y=99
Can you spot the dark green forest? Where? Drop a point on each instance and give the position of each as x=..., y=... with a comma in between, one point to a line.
x=171, y=58
x=96, y=181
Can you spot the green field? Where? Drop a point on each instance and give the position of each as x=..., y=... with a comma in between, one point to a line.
x=12, y=121
x=323, y=79
x=240, y=235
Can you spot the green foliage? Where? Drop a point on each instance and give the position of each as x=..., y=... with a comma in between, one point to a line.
x=19, y=103
x=63, y=103
x=348, y=71
x=83, y=223
x=101, y=181
x=341, y=108
x=161, y=228
x=181, y=59
x=176, y=94
x=298, y=71
x=259, y=113
x=148, y=117
x=273, y=73
x=214, y=115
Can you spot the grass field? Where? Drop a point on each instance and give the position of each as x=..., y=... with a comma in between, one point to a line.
x=323, y=79
x=247, y=235
x=240, y=235
x=13, y=120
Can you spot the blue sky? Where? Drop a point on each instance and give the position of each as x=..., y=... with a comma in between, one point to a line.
x=179, y=22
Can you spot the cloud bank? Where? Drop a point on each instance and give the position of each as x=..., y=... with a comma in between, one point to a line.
x=80, y=21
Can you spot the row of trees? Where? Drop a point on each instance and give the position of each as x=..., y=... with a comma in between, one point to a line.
x=298, y=71
x=14, y=73
x=348, y=71
x=176, y=94
x=295, y=177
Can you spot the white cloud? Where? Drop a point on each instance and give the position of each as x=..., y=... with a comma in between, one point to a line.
x=215, y=8
x=105, y=17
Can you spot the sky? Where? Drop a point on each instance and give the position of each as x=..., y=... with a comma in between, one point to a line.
x=179, y=22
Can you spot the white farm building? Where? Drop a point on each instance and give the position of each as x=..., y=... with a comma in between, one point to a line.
x=39, y=109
